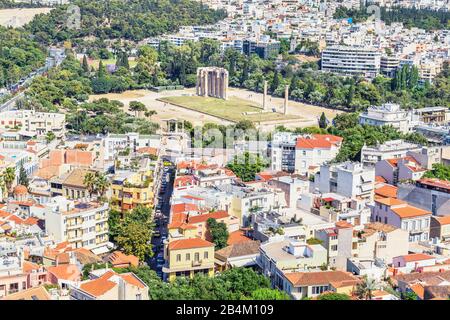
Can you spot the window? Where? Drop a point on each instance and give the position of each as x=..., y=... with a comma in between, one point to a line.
x=188, y=256
x=205, y=255
x=334, y=247
x=178, y=257
x=385, y=220
x=197, y=256
x=319, y=289
x=138, y=296
x=405, y=225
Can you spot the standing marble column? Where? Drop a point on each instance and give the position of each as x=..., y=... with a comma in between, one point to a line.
x=265, y=96
x=286, y=97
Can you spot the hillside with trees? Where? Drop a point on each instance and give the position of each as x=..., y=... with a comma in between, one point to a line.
x=410, y=17
x=19, y=55
x=114, y=19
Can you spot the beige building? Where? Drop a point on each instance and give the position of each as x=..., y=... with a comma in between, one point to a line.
x=39, y=123
x=440, y=228
x=70, y=185
x=187, y=257
x=110, y=286
x=382, y=241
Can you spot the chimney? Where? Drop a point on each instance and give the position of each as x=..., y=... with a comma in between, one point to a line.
x=286, y=97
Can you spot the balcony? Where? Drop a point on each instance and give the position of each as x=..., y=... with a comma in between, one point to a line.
x=197, y=263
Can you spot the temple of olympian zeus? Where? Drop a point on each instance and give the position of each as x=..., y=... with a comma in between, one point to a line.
x=212, y=82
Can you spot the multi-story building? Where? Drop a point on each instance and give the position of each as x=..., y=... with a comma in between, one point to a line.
x=302, y=153
x=390, y=114
x=289, y=255
x=70, y=184
x=39, y=123
x=265, y=47
x=399, y=169
x=351, y=60
x=187, y=257
x=438, y=115
x=402, y=215
x=389, y=65
x=370, y=155
x=440, y=228
x=339, y=242
x=131, y=142
x=382, y=241
x=348, y=179
x=132, y=189
x=427, y=193
x=83, y=224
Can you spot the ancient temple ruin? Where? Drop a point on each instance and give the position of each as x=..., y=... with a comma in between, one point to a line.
x=212, y=82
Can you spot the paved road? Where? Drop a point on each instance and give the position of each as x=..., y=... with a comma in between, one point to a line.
x=162, y=223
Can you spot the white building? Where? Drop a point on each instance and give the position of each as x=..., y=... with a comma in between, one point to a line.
x=390, y=114
x=83, y=224
x=39, y=123
x=370, y=155
x=302, y=153
x=348, y=179
x=351, y=60
x=114, y=143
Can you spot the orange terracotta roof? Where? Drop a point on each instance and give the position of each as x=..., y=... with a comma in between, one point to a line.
x=417, y=257
x=436, y=183
x=28, y=266
x=443, y=220
x=204, y=217
x=394, y=161
x=418, y=289
x=131, y=279
x=31, y=221
x=380, y=179
x=237, y=236
x=65, y=272
x=189, y=244
x=387, y=191
x=317, y=141
x=338, y=278
x=184, y=207
x=118, y=258
x=149, y=150
x=409, y=211
x=390, y=201
x=183, y=181
x=97, y=287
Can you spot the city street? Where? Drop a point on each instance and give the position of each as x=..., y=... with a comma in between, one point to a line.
x=162, y=218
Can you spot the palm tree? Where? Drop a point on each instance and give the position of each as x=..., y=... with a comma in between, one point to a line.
x=365, y=289
x=101, y=183
x=89, y=182
x=8, y=177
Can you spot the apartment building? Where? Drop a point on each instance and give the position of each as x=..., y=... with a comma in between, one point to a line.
x=399, y=169
x=389, y=65
x=302, y=153
x=402, y=215
x=370, y=155
x=82, y=224
x=382, y=241
x=348, y=179
x=39, y=123
x=351, y=60
x=313, y=150
x=428, y=194
x=289, y=255
x=115, y=143
x=70, y=184
x=339, y=242
x=187, y=257
x=132, y=189
x=390, y=114
x=265, y=47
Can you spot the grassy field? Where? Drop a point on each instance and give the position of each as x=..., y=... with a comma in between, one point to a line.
x=19, y=17
x=94, y=63
x=233, y=109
